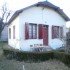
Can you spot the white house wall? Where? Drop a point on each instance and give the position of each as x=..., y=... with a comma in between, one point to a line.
x=14, y=42
x=38, y=15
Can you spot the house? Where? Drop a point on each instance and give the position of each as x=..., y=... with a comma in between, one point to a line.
x=4, y=34
x=40, y=25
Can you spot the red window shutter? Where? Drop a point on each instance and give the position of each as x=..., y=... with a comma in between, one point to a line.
x=26, y=31
x=40, y=33
x=52, y=32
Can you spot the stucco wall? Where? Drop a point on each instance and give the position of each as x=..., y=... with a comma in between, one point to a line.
x=38, y=15
x=14, y=42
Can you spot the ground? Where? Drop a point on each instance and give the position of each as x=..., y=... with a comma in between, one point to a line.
x=6, y=64
x=47, y=65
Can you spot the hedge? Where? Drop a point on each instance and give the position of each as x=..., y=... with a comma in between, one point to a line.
x=37, y=56
x=33, y=56
x=64, y=57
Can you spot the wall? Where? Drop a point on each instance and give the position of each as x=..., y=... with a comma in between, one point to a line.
x=14, y=42
x=39, y=15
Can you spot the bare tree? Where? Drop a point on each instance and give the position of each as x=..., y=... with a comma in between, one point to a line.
x=5, y=13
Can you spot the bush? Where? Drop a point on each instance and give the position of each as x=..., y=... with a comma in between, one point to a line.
x=33, y=56
x=37, y=56
x=62, y=57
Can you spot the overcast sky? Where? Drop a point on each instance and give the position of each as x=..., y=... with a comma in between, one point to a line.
x=18, y=4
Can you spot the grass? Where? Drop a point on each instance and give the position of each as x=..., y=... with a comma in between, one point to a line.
x=3, y=45
x=47, y=65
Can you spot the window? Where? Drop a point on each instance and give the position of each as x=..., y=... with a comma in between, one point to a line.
x=32, y=31
x=57, y=32
x=61, y=32
x=13, y=32
x=9, y=33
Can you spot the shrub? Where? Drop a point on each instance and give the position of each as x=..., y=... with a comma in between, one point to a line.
x=64, y=57
x=37, y=56
x=34, y=56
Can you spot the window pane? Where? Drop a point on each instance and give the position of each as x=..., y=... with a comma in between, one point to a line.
x=61, y=32
x=9, y=33
x=13, y=32
x=32, y=31
x=56, y=31
x=35, y=31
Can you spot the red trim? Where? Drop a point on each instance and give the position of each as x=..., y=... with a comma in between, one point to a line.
x=40, y=32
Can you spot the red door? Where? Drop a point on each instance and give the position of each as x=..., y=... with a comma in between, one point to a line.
x=45, y=35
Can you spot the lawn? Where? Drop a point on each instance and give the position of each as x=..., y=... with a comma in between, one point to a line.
x=47, y=65
x=3, y=44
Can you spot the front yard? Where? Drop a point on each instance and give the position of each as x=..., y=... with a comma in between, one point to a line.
x=47, y=65
x=51, y=64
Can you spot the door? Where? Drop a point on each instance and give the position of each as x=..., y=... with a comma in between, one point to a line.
x=45, y=34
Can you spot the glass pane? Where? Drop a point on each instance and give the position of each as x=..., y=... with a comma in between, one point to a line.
x=56, y=30
x=30, y=31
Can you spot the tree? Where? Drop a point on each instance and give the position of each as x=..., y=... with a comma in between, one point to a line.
x=5, y=13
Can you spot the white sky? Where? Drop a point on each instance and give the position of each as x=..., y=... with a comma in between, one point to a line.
x=18, y=4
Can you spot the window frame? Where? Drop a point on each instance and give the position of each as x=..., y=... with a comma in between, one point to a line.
x=55, y=30
x=14, y=32
x=9, y=33
x=32, y=31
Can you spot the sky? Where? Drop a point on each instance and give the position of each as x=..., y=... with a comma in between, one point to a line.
x=19, y=4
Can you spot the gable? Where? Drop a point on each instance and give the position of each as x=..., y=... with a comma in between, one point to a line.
x=44, y=4
x=41, y=15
